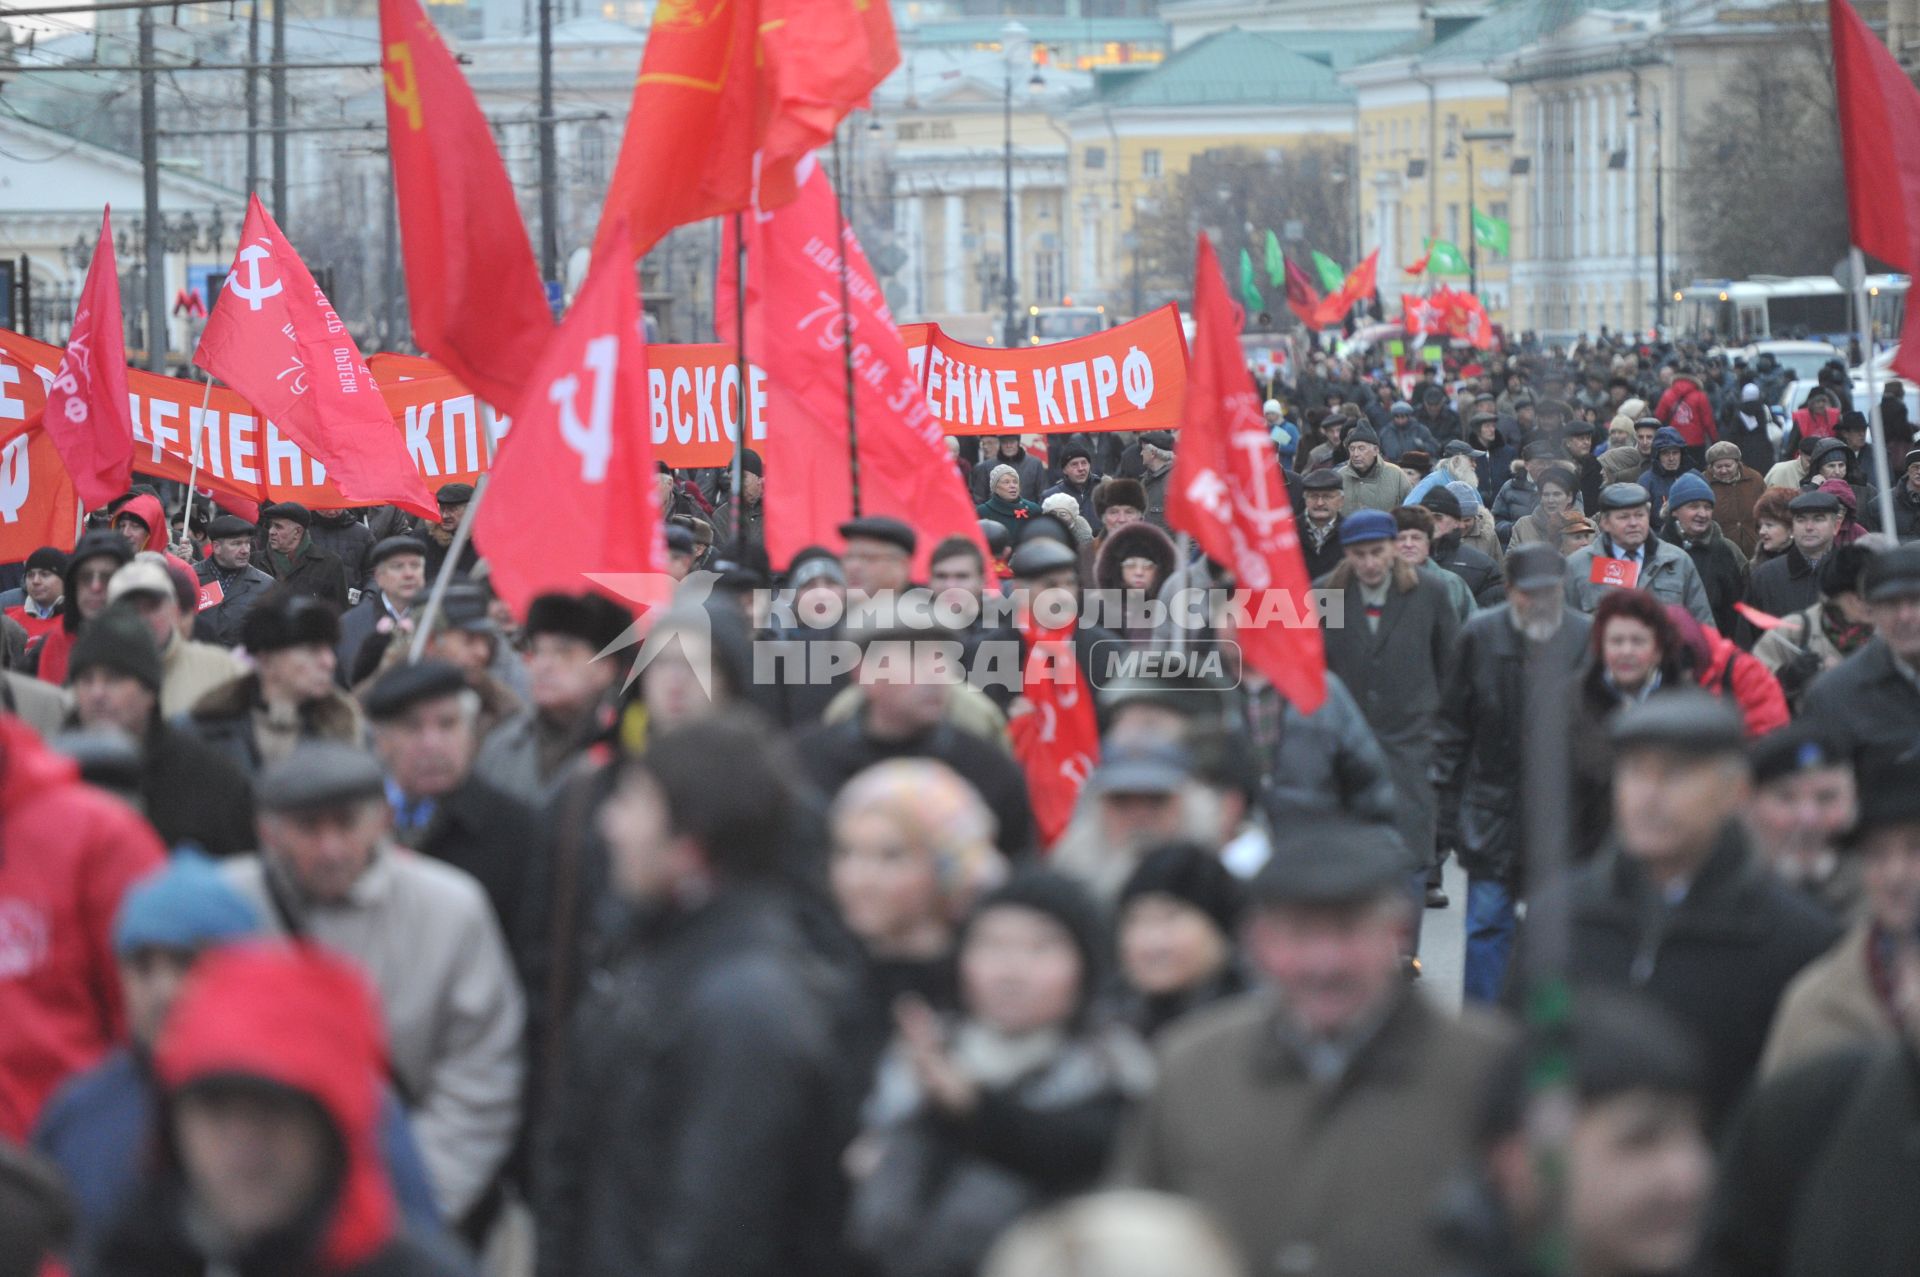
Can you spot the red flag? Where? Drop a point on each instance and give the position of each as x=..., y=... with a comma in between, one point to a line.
x=1227, y=491
x=275, y=338
x=724, y=79
x=796, y=333
x=473, y=290
x=1058, y=744
x=571, y=497
x=1303, y=299
x=87, y=412
x=1355, y=288
x=1880, y=143
x=1419, y=265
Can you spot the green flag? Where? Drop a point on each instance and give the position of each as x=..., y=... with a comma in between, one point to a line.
x=1249, y=290
x=1445, y=258
x=1276, y=262
x=1331, y=276
x=1490, y=232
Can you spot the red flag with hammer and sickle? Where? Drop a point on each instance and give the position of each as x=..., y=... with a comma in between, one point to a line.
x=473, y=290
x=88, y=415
x=276, y=339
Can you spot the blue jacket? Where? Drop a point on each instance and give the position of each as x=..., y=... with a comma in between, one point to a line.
x=95, y=1126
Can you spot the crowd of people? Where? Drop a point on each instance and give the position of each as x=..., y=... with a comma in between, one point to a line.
x=320, y=955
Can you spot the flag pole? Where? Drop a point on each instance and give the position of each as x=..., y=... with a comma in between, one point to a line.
x=1882, y=476
x=461, y=535
x=193, y=470
x=846, y=320
x=740, y=360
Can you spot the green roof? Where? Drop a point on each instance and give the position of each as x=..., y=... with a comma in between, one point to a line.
x=1342, y=49
x=1233, y=67
x=1513, y=24
x=977, y=31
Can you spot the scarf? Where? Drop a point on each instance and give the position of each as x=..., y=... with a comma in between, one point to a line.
x=283, y=564
x=1846, y=636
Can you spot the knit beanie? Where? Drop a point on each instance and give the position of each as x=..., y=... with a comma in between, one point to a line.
x=117, y=640
x=1064, y=901
x=993, y=480
x=1688, y=487
x=186, y=904
x=1193, y=876
x=48, y=559
x=1468, y=496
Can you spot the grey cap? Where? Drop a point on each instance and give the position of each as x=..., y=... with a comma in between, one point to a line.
x=1337, y=862
x=1892, y=574
x=1827, y=447
x=1040, y=555
x=1623, y=496
x=465, y=607
x=1815, y=502
x=1461, y=448
x=1142, y=769
x=1687, y=721
x=1320, y=481
x=390, y=547
x=1535, y=566
x=319, y=774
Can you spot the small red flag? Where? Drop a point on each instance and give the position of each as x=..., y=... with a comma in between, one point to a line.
x=1058, y=744
x=797, y=334
x=1355, y=288
x=88, y=415
x=571, y=497
x=275, y=338
x=1303, y=299
x=1880, y=143
x=473, y=290
x=1227, y=491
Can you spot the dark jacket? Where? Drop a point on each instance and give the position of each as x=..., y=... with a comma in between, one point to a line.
x=1472, y=565
x=1722, y=569
x=1083, y=495
x=1323, y=557
x=1865, y=702
x=361, y=622
x=221, y=623
x=1480, y=748
x=195, y=792
x=1781, y=587
x=1819, y=1174
x=1156, y=486
x=1906, y=512
x=312, y=571
x=348, y=539
x=1747, y=428
x=1718, y=961
x=1033, y=475
x=834, y=753
x=223, y=718
x=1323, y=763
x=700, y=1125
x=492, y=836
x=753, y=525
x=1516, y=499
x=1396, y=438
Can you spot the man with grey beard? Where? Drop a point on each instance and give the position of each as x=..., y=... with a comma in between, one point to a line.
x=1482, y=744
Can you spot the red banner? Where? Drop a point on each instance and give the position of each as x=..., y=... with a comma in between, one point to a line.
x=88, y=424
x=38, y=505
x=1133, y=377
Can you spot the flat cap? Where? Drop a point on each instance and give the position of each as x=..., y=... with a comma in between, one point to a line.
x=1039, y=555
x=1539, y=450
x=465, y=607
x=319, y=774
x=1320, y=481
x=1913, y=455
x=287, y=510
x=1892, y=574
x=1142, y=769
x=229, y=525
x=679, y=538
x=879, y=527
x=404, y=686
x=1815, y=502
x=1798, y=747
x=1688, y=721
x=454, y=494
x=1333, y=862
x=1888, y=797
x=1623, y=496
x=1535, y=566
x=1461, y=448
x=387, y=547
x=1366, y=525
x=1161, y=439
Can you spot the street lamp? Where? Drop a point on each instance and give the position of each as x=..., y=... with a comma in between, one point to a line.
x=1470, y=136
x=1013, y=36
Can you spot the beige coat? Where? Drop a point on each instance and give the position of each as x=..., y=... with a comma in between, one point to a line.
x=1321, y=1177
x=41, y=706
x=1831, y=1004
x=189, y=670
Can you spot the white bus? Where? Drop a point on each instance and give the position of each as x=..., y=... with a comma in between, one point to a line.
x=1801, y=307
x=1048, y=324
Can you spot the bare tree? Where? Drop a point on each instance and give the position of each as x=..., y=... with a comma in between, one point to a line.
x=1237, y=195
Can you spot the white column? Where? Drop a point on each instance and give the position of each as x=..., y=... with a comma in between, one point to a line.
x=913, y=236
x=952, y=257
x=1017, y=259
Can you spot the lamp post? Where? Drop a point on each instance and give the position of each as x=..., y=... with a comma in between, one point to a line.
x=1470, y=136
x=1013, y=38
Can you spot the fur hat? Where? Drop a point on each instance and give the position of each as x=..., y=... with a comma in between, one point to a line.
x=591, y=618
x=1723, y=451
x=1127, y=492
x=281, y=619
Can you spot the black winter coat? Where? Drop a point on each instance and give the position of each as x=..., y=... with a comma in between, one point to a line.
x=491, y=835
x=221, y=623
x=700, y=1126
x=1906, y=513
x=1325, y=557
x=1718, y=961
x=1781, y=587
x=1480, y=748
x=315, y=573
x=195, y=792
x=1722, y=568
x=1474, y=566
x=1864, y=702
x=1819, y=1174
x=350, y=541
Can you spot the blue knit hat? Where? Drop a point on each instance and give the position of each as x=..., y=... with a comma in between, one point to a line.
x=185, y=905
x=1366, y=525
x=1468, y=496
x=1688, y=487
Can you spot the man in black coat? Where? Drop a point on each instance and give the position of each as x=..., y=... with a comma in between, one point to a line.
x=1324, y=494
x=1481, y=747
x=1722, y=568
x=191, y=792
x=399, y=568
x=293, y=559
x=903, y=715
x=1906, y=500
x=1469, y=563
x=1078, y=481
x=1678, y=905
x=424, y=721
x=703, y=1106
x=1791, y=583
x=229, y=565
x=1871, y=700
x=345, y=535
